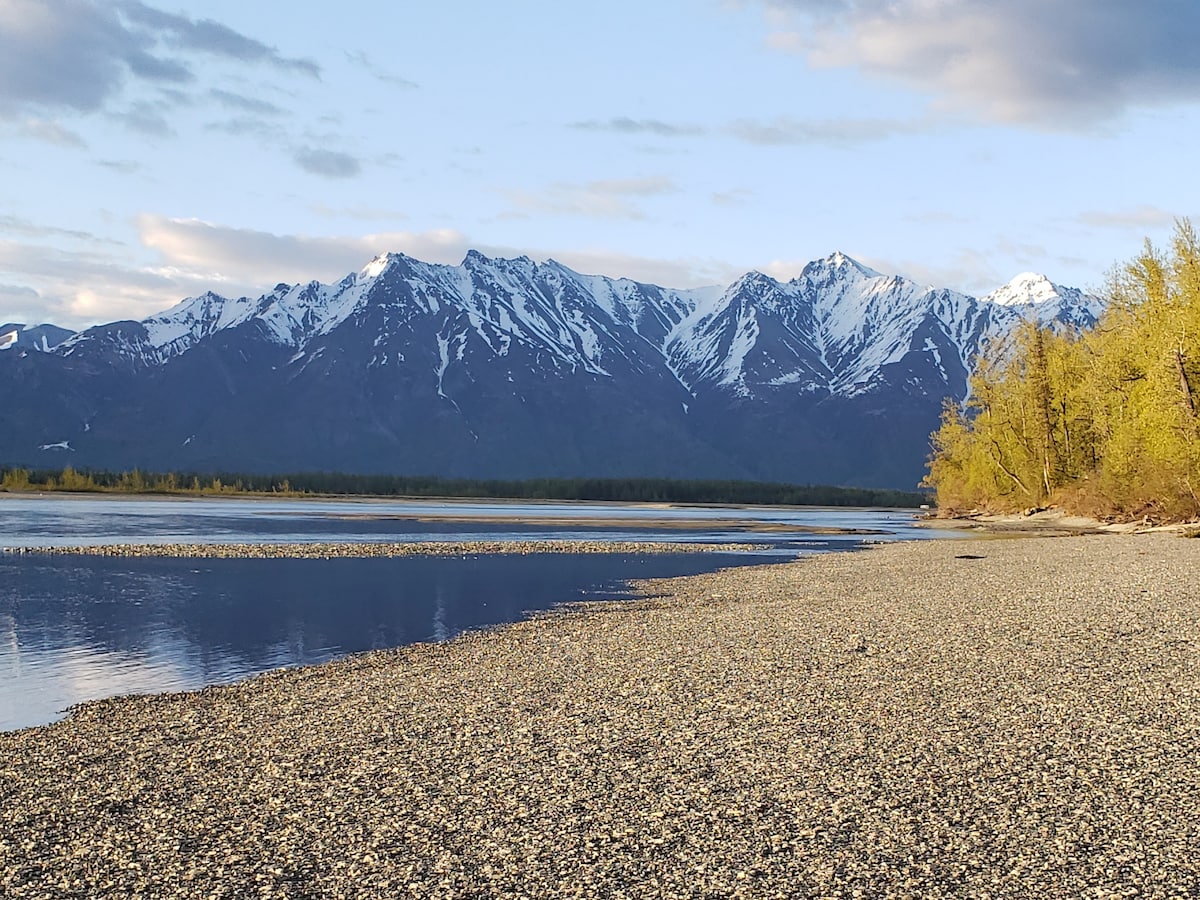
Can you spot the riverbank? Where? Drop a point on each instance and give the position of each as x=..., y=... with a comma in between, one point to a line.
x=938, y=718
x=378, y=549
x=1053, y=522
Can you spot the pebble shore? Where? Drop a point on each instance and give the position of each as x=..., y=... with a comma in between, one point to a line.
x=373, y=549
x=948, y=718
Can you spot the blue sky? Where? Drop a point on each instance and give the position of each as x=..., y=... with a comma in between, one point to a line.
x=151, y=151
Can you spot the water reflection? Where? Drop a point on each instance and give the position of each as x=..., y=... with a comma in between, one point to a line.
x=36, y=521
x=79, y=628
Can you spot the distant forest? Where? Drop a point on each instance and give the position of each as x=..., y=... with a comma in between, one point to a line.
x=629, y=490
x=1106, y=423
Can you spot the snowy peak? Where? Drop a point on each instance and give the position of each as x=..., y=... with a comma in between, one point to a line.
x=840, y=326
x=1027, y=289
x=836, y=266
x=1034, y=296
x=836, y=329
x=378, y=265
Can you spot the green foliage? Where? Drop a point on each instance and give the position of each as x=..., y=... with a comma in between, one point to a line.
x=653, y=490
x=1105, y=423
x=70, y=480
x=15, y=480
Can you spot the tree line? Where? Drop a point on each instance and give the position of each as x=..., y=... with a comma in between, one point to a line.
x=644, y=490
x=1102, y=423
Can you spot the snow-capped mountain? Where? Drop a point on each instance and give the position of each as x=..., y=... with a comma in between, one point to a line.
x=508, y=367
x=41, y=338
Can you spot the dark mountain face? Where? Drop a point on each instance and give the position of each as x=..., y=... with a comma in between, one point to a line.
x=508, y=369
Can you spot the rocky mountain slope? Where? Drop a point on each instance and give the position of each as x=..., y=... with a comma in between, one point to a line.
x=511, y=368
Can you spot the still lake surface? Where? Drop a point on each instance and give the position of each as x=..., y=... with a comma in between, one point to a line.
x=77, y=628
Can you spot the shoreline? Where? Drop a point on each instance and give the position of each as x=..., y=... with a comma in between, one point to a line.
x=926, y=718
x=386, y=499
x=1050, y=522
x=376, y=549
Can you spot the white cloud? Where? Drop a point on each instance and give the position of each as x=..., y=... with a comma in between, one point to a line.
x=74, y=288
x=252, y=261
x=81, y=287
x=1055, y=63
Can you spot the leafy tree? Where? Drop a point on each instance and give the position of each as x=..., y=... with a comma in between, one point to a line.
x=1104, y=423
x=15, y=480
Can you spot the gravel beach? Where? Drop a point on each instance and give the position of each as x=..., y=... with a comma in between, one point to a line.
x=377, y=549
x=955, y=718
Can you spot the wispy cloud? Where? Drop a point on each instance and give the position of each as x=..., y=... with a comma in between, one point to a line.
x=731, y=198
x=653, y=127
x=264, y=128
x=208, y=36
x=937, y=217
x=327, y=163
x=242, y=103
x=147, y=118
x=602, y=198
x=1055, y=64
x=1135, y=219
x=123, y=166
x=51, y=132
x=17, y=291
x=25, y=228
x=363, y=213
x=784, y=130
x=364, y=62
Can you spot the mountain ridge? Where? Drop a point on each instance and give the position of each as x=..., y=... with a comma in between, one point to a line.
x=497, y=367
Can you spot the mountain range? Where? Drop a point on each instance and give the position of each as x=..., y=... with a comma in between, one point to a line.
x=508, y=368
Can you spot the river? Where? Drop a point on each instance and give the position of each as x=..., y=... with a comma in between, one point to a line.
x=77, y=628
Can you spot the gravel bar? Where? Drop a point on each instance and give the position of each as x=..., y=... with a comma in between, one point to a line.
x=966, y=718
x=371, y=549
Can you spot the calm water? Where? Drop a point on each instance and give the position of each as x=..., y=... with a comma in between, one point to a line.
x=80, y=628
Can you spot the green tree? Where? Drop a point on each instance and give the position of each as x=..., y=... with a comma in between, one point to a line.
x=1106, y=422
x=15, y=480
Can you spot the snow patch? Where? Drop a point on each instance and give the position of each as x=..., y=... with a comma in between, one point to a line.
x=377, y=266
x=443, y=345
x=1027, y=289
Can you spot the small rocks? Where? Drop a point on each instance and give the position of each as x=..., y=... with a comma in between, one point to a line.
x=365, y=549
x=881, y=724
